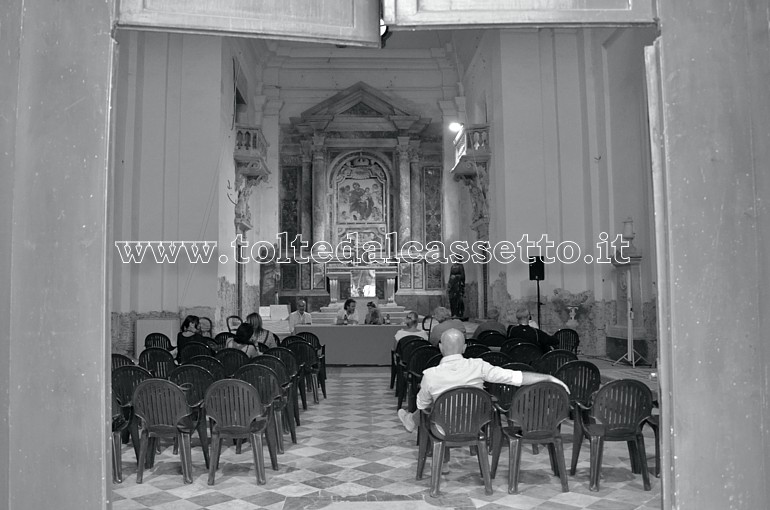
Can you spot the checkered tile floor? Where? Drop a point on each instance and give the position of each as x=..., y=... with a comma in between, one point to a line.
x=353, y=453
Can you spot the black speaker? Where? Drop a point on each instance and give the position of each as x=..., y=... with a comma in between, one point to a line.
x=536, y=268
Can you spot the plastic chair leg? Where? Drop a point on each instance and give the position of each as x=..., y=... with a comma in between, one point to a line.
x=259, y=458
x=497, y=446
x=597, y=449
x=314, y=386
x=435, y=468
x=203, y=436
x=559, y=447
x=216, y=444
x=186, y=457
x=514, y=463
x=276, y=424
x=117, y=458
x=423, y=442
x=484, y=466
x=295, y=403
x=642, y=459
x=392, y=369
x=143, y=445
x=272, y=446
x=633, y=455
x=552, y=458
x=303, y=393
x=654, y=423
x=577, y=441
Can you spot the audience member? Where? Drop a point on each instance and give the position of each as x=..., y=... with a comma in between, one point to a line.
x=442, y=315
x=299, y=316
x=189, y=331
x=242, y=340
x=260, y=334
x=455, y=370
x=530, y=334
x=348, y=312
x=373, y=315
x=412, y=328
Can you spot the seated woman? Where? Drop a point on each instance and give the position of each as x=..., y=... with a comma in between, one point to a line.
x=242, y=340
x=260, y=335
x=189, y=331
x=373, y=315
x=412, y=329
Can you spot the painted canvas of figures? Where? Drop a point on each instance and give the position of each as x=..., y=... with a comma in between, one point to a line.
x=359, y=201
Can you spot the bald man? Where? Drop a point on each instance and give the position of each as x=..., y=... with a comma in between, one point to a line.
x=455, y=370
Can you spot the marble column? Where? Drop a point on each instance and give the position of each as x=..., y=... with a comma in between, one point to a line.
x=319, y=189
x=404, y=224
x=334, y=289
x=305, y=193
x=417, y=196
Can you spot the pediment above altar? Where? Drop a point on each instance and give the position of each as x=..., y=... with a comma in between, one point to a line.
x=361, y=108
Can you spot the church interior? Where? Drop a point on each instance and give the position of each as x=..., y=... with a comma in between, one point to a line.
x=270, y=139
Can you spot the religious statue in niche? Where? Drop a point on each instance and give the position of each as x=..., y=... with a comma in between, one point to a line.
x=359, y=200
x=456, y=290
x=239, y=195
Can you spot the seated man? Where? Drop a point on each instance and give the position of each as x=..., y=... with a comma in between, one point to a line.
x=455, y=370
x=527, y=333
x=299, y=316
x=442, y=315
x=348, y=311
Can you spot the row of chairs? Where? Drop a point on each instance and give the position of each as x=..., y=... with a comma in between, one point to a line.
x=568, y=339
x=295, y=364
x=533, y=414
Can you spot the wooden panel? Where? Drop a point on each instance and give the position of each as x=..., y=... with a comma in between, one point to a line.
x=459, y=13
x=350, y=22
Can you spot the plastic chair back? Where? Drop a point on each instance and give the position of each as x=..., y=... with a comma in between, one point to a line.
x=291, y=339
x=161, y=404
x=288, y=358
x=158, y=361
x=622, y=406
x=475, y=350
x=196, y=379
x=305, y=353
x=522, y=352
x=433, y=362
x=275, y=364
x=496, y=358
x=121, y=360
x=221, y=339
x=488, y=327
x=460, y=413
x=193, y=349
x=262, y=378
x=210, y=363
x=521, y=367
x=233, y=321
x=539, y=409
x=232, y=360
x=207, y=328
x=582, y=378
x=125, y=379
x=233, y=405
x=550, y=362
x=158, y=340
x=568, y=339
x=309, y=337
x=419, y=359
x=492, y=338
x=408, y=349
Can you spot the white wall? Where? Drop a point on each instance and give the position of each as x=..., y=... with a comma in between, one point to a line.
x=550, y=97
x=168, y=147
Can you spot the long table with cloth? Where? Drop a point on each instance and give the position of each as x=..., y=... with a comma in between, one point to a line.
x=355, y=344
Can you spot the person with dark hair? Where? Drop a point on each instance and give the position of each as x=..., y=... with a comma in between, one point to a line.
x=260, y=335
x=242, y=340
x=347, y=313
x=189, y=331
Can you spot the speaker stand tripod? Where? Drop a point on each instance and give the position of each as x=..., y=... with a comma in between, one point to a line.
x=632, y=357
x=539, y=324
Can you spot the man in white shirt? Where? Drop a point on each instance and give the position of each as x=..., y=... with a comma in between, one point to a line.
x=348, y=311
x=455, y=370
x=299, y=316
